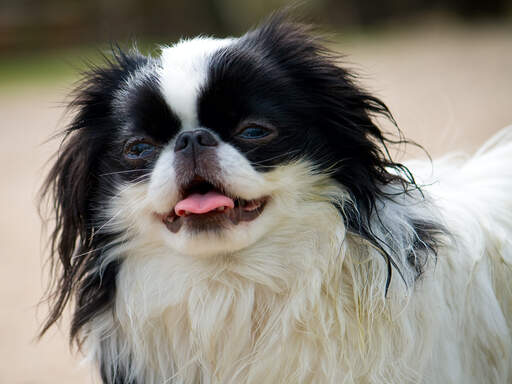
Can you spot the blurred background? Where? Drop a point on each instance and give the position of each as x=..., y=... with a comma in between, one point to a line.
x=444, y=67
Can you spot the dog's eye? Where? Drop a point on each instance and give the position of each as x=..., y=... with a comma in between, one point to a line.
x=139, y=149
x=254, y=132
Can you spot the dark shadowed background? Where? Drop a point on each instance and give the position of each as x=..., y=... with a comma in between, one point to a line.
x=444, y=67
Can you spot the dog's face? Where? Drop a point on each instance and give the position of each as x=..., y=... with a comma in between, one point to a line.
x=207, y=147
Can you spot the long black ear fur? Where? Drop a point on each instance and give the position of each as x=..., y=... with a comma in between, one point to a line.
x=70, y=188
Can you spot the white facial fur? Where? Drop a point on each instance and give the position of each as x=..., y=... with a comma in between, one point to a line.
x=183, y=72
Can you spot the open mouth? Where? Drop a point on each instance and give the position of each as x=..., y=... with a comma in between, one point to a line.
x=204, y=206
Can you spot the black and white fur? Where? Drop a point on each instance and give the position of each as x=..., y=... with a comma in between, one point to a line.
x=351, y=273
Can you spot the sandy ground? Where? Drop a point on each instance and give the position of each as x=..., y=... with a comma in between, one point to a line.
x=448, y=88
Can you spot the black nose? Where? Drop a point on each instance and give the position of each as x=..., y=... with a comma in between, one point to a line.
x=198, y=138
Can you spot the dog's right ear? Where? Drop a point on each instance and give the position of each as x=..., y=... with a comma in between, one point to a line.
x=72, y=182
x=67, y=189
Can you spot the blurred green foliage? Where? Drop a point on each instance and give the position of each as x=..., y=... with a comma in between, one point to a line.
x=42, y=68
x=46, y=67
x=47, y=40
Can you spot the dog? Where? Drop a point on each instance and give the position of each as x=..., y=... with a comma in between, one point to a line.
x=228, y=212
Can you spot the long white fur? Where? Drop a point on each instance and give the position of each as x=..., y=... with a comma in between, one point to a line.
x=292, y=297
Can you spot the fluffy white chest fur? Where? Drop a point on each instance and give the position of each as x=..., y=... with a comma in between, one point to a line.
x=307, y=305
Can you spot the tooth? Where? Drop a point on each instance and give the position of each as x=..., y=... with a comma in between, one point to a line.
x=253, y=205
x=221, y=209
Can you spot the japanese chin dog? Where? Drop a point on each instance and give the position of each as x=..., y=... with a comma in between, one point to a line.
x=228, y=212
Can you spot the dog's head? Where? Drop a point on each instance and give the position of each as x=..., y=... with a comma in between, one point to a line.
x=210, y=147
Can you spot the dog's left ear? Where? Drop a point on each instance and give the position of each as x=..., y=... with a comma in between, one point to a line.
x=358, y=147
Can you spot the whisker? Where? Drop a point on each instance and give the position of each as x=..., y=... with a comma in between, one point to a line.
x=134, y=183
x=260, y=163
x=74, y=257
x=107, y=223
x=126, y=171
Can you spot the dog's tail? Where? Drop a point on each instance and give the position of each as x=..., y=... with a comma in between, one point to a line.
x=474, y=196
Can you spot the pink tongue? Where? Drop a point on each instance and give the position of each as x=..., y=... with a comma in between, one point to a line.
x=197, y=203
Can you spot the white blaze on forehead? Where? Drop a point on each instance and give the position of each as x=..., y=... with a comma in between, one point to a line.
x=183, y=73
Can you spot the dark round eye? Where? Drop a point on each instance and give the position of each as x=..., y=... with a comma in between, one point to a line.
x=254, y=132
x=138, y=149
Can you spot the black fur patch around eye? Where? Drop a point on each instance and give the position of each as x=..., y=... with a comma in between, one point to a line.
x=245, y=82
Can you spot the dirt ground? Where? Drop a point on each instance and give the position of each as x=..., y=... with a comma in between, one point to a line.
x=449, y=89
